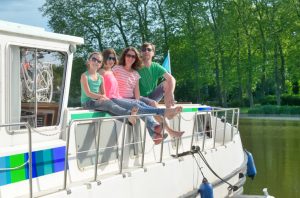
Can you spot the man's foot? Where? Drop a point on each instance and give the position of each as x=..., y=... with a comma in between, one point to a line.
x=132, y=119
x=175, y=133
x=158, y=138
x=172, y=112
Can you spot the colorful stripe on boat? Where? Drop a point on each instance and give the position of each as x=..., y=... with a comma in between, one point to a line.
x=97, y=114
x=44, y=162
x=197, y=109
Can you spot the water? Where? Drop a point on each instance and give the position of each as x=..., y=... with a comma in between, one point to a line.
x=275, y=145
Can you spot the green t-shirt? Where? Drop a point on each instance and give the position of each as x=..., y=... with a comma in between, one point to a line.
x=149, y=77
x=93, y=85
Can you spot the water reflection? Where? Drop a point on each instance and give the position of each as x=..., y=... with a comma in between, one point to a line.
x=275, y=145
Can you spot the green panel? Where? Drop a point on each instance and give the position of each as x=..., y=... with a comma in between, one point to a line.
x=47, y=157
x=190, y=110
x=18, y=174
x=89, y=115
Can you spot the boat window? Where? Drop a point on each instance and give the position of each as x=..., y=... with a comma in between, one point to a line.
x=37, y=77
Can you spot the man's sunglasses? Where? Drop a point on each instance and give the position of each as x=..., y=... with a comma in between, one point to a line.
x=147, y=49
x=111, y=58
x=96, y=60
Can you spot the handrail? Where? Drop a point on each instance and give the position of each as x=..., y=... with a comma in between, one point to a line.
x=214, y=112
x=29, y=161
x=206, y=113
x=99, y=121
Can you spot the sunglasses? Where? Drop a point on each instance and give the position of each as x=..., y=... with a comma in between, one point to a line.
x=111, y=58
x=96, y=60
x=147, y=49
x=130, y=56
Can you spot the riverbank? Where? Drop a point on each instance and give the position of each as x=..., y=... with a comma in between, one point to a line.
x=270, y=116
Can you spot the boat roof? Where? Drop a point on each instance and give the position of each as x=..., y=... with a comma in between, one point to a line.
x=32, y=31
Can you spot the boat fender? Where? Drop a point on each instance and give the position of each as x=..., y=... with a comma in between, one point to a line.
x=206, y=189
x=251, y=169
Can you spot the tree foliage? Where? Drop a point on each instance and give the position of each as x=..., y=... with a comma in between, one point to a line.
x=226, y=51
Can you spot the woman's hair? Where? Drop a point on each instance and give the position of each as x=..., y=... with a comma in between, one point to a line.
x=108, y=52
x=137, y=63
x=91, y=55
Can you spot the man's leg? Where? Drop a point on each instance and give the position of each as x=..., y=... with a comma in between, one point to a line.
x=163, y=90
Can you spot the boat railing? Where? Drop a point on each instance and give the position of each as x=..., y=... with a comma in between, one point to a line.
x=228, y=117
x=98, y=131
x=222, y=116
x=29, y=160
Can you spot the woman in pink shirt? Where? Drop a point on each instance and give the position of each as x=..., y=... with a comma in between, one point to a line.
x=121, y=92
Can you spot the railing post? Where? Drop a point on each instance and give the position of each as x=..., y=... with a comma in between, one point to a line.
x=122, y=148
x=67, y=155
x=204, y=130
x=224, y=132
x=97, y=150
x=144, y=144
x=162, y=142
x=237, y=119
x=177, y=140
x=30, y=159
x=216, y=123
x=194, y=128
x=232, y=123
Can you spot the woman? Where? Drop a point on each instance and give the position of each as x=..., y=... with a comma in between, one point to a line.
x=93, y=93
x=128, y=88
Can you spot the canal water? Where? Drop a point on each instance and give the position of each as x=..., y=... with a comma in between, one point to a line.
x=275, y=145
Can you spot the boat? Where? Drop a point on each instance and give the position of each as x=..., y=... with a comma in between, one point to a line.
x=48, y=149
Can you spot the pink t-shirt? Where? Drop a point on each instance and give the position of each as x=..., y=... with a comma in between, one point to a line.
x=127, y=81
x=111, y=85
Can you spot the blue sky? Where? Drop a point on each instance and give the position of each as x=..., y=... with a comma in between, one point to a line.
x=23, y=11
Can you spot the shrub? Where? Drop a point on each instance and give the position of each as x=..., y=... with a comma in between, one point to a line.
x=273, y=109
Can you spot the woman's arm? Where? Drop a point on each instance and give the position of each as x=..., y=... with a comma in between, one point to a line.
x=137, y=90
x=102, y=90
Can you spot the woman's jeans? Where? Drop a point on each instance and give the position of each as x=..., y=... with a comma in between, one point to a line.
x=143, y=109
x=107, y=105
x=119, y=107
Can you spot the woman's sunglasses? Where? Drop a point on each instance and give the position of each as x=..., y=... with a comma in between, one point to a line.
x=96, y=60
x=130, y=56
x=111, y=58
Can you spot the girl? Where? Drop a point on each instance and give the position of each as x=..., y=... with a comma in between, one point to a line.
x=93, y=93
x=113, y=92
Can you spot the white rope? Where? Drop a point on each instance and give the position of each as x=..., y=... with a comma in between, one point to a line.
x=14, y=168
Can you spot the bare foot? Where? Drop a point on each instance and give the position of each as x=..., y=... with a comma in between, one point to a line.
x=175, y=133
x=132, y=119
x=158, y=138
x=172, y=112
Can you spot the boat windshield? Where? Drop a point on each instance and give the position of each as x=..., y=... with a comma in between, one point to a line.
x=37, y=79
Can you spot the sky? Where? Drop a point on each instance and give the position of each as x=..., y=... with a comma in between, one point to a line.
x=24, y=12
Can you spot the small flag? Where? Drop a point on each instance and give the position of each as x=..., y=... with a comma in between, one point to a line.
x=167, y=64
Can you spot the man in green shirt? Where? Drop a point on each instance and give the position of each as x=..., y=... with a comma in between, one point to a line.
x=150, y=73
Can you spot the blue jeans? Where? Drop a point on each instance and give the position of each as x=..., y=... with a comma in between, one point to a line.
x=106, y=105
x=143, y=109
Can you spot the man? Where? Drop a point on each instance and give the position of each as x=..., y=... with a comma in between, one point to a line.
x=150, y=73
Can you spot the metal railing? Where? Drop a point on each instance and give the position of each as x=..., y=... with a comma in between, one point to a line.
x=219, y=115
x=29, y=161
x=98, y=131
